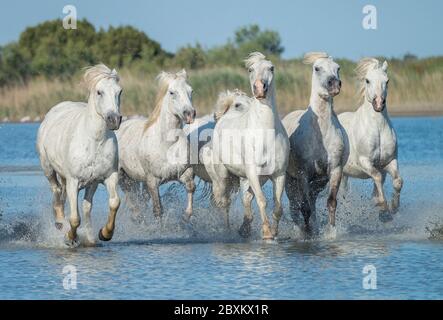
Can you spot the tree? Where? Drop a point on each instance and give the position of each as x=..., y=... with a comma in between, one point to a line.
x=191, y=57
x=251, y=38
x=123, y=45
x=52, y=50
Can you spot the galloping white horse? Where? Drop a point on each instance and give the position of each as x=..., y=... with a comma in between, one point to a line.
x=371, y=139
x=261, y=145
x=317, y=146
x=78, y=149
x=156, y=150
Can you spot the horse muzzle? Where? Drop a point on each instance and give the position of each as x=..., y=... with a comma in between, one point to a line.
x=334, y=87
x=379, y=104
x=189, y=116
x=260, y=89
x=113, y=121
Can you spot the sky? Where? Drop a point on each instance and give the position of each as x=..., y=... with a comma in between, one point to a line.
x=403, y=26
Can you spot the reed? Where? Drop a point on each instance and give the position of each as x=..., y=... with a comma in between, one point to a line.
x=415, y=88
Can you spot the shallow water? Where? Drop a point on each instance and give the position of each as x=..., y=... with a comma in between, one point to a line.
x=174, y=262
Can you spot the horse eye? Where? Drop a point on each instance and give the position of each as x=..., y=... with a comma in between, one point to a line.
x=272, y=69
x=367, y=81
x=250, y=70
x=237, y=105
x=171, y=93
x=317, y=69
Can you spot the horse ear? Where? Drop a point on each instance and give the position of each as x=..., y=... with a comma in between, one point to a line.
x=182, y=73
x=384, y=67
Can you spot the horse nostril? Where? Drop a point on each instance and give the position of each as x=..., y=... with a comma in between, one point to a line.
x=195, y=113
x=265, y=86
x=339, y=83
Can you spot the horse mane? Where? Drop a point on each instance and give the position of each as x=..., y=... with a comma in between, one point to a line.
x=364, y=65
x=95, y=74
x=253, y=58
x=225, y=101
x=311, y=57
x=164, y=79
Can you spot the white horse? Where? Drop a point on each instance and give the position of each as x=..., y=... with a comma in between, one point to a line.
x=261, y=147
x=317, y=145
x=371, y=139
x=78, y=149
x=156, y=150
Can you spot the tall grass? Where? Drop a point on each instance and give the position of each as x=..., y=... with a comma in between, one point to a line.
x=415, y=88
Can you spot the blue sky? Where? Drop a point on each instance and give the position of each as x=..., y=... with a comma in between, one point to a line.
x=335, y=26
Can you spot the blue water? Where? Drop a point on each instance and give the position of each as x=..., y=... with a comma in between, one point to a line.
x=208, y=262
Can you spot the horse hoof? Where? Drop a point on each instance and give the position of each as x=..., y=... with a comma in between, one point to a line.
x=74, y=243
x=385, y=216
x=245, y=230
x=330, y=232
x=59, y=225
x=102, y=237
x=267, y=235
x=274, y=231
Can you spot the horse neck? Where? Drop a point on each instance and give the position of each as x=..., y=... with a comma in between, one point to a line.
x=323, y=108
x=165, y=123
x=369, y=113
x=268, y=104
x=95, y=124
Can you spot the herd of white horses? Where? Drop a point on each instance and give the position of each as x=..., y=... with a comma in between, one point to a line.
x=238, y=148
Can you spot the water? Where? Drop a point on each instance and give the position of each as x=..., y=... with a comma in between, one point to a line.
x=147, y=262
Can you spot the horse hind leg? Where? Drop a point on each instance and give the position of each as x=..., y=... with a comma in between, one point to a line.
x=131, y=192
x=292, y=191
x=58, y=199
x=187, y=178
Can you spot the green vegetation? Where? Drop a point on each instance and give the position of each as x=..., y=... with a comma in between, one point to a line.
x=45, y=66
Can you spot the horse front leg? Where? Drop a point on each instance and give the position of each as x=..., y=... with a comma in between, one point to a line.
x=248, y=196
x=377, y=176
x=334, y=185
x=221, y=198
x=58, y=200
x=71, y=238
x=87, y=207
x=255, y=185
x=397, y=183
x=153, y=188
x=106, y=233
x=187, y=178
x=279, y=186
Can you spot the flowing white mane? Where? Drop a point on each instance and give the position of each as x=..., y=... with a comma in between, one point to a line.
x=95, y=74
x=311, y=57
x=365, y=65
x=253, y=58
x=164, y=80
x=225, y=101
